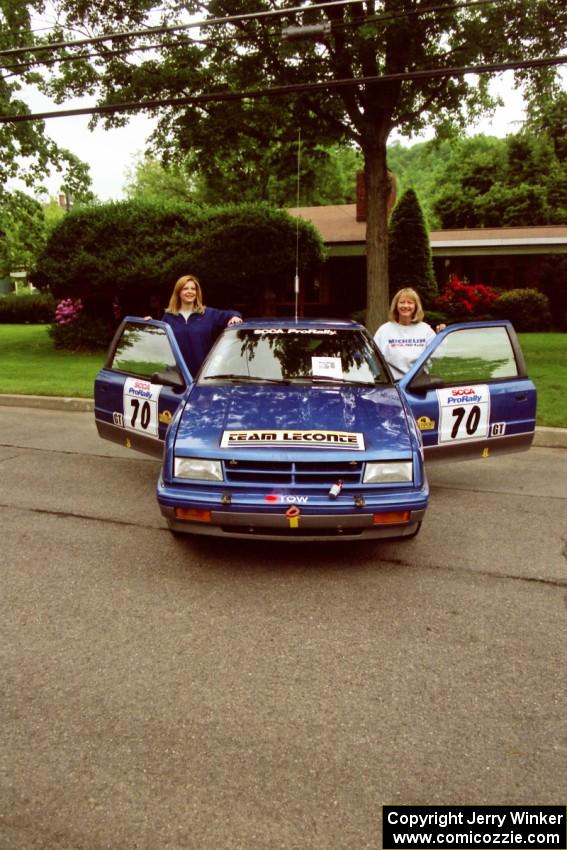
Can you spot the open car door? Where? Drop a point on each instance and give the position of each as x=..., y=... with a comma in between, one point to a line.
x=470, y=393
x=141, y=385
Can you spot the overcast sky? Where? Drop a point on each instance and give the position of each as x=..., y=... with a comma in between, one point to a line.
x=111, y=153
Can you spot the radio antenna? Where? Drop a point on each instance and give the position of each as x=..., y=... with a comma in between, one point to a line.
x=296, y=281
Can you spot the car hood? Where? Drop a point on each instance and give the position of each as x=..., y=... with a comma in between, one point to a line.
x=376, y=412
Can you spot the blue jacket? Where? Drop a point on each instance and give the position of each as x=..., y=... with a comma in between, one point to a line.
x=196, y=334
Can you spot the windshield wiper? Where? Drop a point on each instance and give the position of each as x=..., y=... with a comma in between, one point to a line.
x=230, y=376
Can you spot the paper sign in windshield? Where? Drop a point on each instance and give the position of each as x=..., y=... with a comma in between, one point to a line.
x=293, y=439
x=327, y=367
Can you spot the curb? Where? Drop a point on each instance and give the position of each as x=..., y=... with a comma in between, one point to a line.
x=548, y=438
x=48, y=402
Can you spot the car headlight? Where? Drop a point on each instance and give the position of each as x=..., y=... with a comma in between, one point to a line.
x=388, y=472
x=197, y=468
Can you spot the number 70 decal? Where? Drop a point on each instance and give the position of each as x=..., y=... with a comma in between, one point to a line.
x=141, y=406
x=464, y=413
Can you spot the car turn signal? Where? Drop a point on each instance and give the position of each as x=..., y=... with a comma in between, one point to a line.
x=391, y=518
x=193, y=514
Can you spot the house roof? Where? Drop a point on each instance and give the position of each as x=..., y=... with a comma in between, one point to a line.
x=344, y=235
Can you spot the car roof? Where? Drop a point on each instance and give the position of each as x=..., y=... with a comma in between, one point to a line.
x=287, y=322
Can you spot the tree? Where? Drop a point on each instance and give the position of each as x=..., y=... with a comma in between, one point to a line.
x=420, y=167
x=409, y=255
x=149, y=180
x=327, y=176
x=359, y=41
x=26, y=151
x=548, y=116
x=23, y=229
x=512, y=182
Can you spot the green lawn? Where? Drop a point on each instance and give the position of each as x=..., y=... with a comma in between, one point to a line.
x=31, y=366
x=546, y=358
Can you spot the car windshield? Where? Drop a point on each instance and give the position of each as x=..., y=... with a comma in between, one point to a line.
x=331, y=355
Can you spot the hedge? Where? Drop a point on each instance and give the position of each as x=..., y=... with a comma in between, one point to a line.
x=527, y=309
x=35, y=308
x=124, y=258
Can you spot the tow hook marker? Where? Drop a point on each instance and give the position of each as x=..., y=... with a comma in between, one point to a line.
x=293, y=516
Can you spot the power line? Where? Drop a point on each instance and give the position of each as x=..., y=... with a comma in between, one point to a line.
x=58, y=45
x=278, y=91
x=17, y=70
x=228, y=19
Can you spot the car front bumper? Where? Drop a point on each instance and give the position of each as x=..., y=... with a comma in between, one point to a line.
x=245, y=515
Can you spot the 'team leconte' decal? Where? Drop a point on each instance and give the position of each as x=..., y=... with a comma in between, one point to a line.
x=286, y=439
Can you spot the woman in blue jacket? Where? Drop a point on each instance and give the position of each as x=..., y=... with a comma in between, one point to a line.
x=195, y=326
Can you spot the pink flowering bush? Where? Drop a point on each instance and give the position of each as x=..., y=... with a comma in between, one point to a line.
x=68, y=311
x=75, y=329
x=465, y=300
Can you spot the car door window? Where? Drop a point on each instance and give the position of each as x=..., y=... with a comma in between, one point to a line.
x=473, y=355
x=470, y=393
x=142, y=351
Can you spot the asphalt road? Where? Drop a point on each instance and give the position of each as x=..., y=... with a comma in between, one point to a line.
x=158, y=692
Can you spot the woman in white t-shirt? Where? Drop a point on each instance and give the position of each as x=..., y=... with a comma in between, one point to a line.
x=403, y=338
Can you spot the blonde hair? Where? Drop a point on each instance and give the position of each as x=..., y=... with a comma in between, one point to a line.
x=394, y=315
x=175, y=301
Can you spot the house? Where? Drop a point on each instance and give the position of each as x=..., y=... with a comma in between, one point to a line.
x=506, y=257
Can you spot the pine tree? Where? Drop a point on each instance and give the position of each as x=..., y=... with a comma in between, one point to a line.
x=409, y=252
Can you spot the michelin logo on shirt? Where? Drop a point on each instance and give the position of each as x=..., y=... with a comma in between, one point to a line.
x=407, y=342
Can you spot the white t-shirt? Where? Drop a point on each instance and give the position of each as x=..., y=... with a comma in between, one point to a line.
x=401, y=345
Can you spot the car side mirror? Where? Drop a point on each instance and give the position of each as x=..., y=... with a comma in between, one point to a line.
x=170, y=378
x=424, y=382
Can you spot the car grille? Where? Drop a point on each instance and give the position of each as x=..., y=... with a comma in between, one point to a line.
x=280, y=473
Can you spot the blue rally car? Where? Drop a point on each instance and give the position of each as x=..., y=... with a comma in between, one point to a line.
x=295, y=430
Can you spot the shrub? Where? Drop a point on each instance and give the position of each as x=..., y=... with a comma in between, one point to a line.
x=115, y=250
x=82, y=334
x=554, y=284
x=26, y=309
x=68, y=311
x=464, y=301
x=434, y=318
x=242, y=248
x=527, y=309
x=124, y=258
